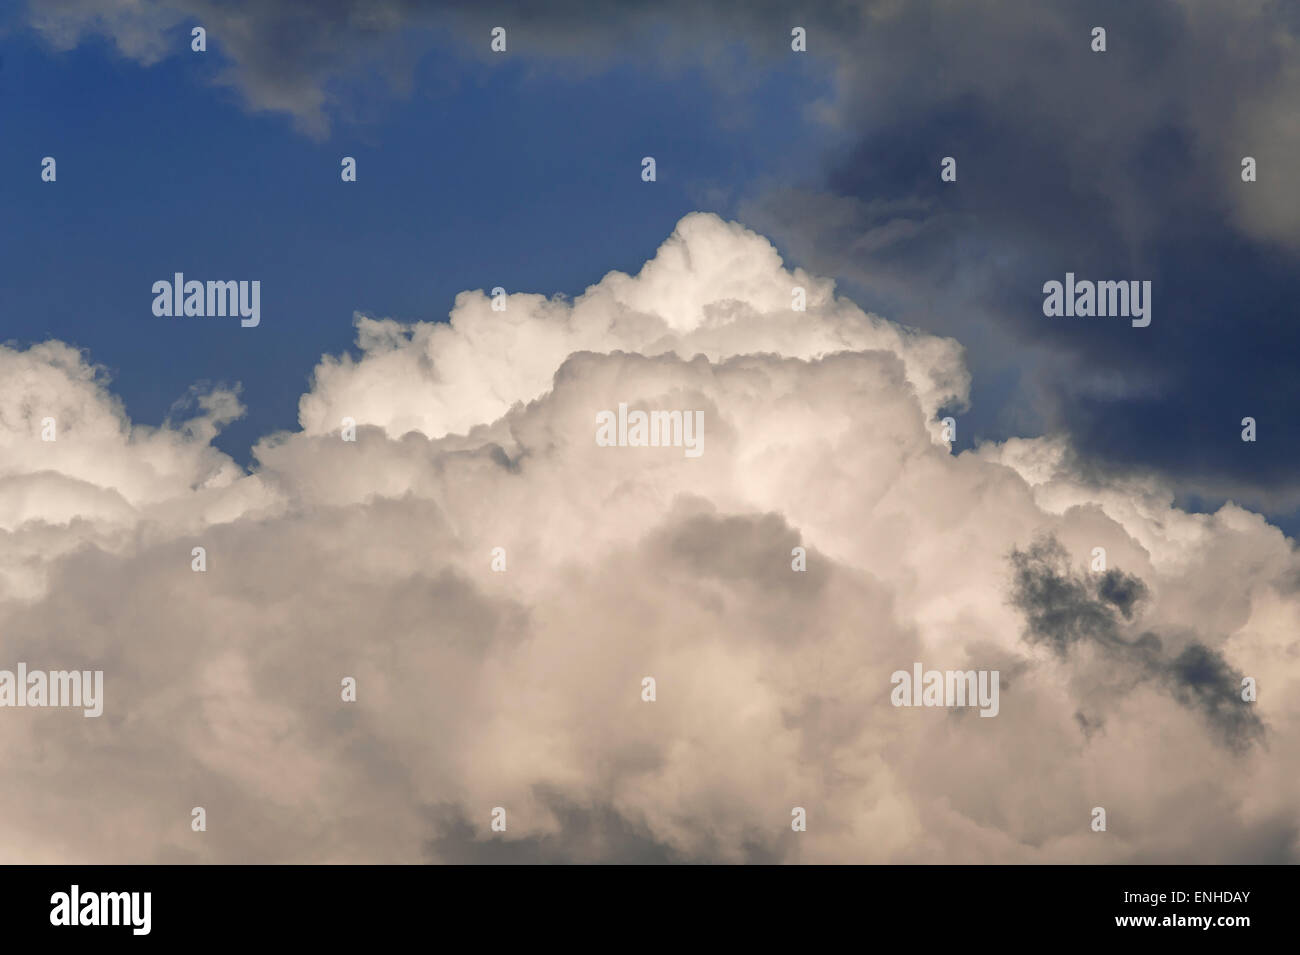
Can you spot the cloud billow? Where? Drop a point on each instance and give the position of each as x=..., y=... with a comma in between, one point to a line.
x=521, y=689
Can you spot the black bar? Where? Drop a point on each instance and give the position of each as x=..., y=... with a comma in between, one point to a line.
x=985, y=904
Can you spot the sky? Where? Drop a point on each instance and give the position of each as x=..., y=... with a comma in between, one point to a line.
x=484, y=175
x=351, y=465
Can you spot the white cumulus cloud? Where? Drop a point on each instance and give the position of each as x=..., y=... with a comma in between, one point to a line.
x=522, y=689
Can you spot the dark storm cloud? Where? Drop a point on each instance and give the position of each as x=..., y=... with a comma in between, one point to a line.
x=1064, y=609
x=1115, y=165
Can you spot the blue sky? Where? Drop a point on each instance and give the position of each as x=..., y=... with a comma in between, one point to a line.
x=502, y=178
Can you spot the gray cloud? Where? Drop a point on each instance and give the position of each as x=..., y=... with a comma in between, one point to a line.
x=1064, y=609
